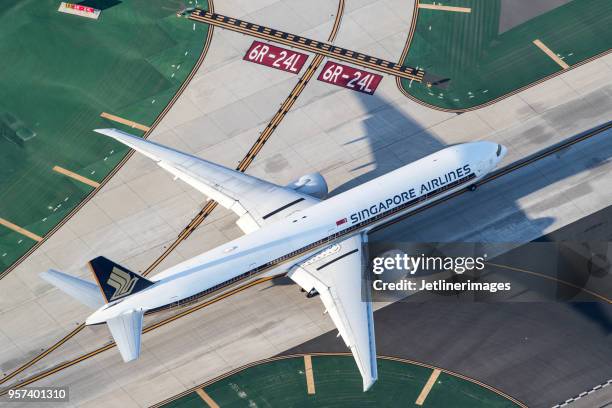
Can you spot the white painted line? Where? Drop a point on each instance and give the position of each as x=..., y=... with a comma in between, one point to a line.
x=445, y=8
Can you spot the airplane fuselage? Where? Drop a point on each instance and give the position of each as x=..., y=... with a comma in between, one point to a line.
x=273, y=249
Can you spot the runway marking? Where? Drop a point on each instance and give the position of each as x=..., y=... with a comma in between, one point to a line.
x=20, y=230
x=228, y=374
x=590, y=292
x=248, y=158
x=445, y=8
x=428, y=386
x=259, y=143
x=193, y=224
x=550, y=53
x=127, y=122
x=206, y=398
x=108, y=346
x=309, y=374
x=314, y=46
x=80, y=327
x=398, y=80
x=583, y=394
x=505, y=170
x=75, y=176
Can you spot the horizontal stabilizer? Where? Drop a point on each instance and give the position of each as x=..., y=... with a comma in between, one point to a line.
x=126, y=329
x=84, y=291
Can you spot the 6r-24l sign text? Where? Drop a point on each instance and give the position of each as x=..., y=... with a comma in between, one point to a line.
x=275, y=57
x=349, y=77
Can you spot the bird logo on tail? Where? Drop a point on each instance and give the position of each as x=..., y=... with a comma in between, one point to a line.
x=122, y=282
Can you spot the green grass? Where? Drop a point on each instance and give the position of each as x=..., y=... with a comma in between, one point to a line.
x=282, y=383
x=58, y=73
x=483, y=65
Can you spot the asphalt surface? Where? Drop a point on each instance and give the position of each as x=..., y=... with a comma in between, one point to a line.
x=349, y=138
x=541, y=353
x=516, y=12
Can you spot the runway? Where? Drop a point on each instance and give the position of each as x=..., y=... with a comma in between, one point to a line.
x=541, y=353
x=307, y=44
x=210, y=205
x=598, y=133
x=349, y=138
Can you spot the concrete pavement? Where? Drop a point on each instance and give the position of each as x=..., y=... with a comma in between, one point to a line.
x=348, y=137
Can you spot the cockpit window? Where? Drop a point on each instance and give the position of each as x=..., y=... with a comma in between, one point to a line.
x=499, y=150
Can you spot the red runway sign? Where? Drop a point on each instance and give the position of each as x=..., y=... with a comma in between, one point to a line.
x=275, y=57
x=79, y=7
x=349, y=77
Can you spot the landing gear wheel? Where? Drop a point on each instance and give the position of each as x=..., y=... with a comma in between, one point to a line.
x=473, y=187
x=313, y=292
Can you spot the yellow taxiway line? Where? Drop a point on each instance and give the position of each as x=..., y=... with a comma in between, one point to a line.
x=445, y=8
x=127, y=122
x=75, y=176
x=541, y=275
x=428, y=386
x=206, y=398
x=20, y=230
x=283, y=110
x=307, y=44
x=309, y=374
x=550, y=53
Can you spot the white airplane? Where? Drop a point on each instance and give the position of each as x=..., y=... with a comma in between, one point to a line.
x=288, y=230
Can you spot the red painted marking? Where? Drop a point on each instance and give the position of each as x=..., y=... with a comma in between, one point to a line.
x=275, y=57
x=340, y=222
x=80, y=7
x=349, y=77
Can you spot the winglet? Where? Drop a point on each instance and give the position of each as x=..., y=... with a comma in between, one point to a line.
x=150, y=149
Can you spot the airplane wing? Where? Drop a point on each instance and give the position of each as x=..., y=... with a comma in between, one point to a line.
x=126, y=329
x=336, y=273
x=255, y=201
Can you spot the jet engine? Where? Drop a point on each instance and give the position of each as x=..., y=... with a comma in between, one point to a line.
x=312, y=184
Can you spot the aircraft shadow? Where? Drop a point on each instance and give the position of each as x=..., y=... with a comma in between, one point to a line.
x=406, y=141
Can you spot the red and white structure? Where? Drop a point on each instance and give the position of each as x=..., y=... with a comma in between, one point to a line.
x=275, y=57
x=79, y=10
x=349, y=77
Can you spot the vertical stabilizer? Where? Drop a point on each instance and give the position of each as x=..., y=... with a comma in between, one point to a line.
x=115, y=281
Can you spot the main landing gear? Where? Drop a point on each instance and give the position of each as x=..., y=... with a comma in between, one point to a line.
x=312, y=293
x=473, y=187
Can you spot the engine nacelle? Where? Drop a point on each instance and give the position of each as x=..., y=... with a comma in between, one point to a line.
x=312, y=184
